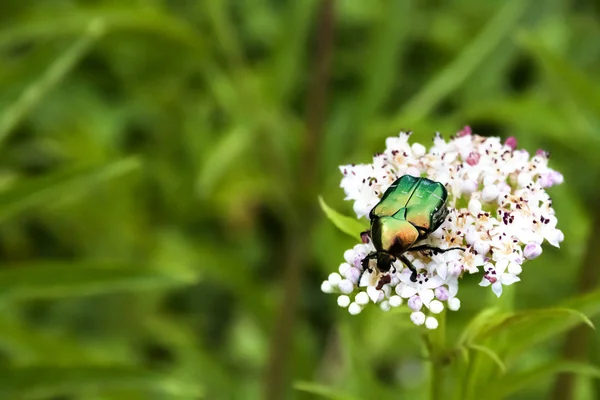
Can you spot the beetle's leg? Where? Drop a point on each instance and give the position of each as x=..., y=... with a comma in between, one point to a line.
x=365, y=236
x=406, y=261
x=434, y=249
x=365, y=261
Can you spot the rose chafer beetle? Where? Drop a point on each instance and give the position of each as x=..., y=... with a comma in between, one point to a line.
x=409, y=210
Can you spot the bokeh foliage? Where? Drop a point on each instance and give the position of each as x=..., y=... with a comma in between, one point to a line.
x=154, y=189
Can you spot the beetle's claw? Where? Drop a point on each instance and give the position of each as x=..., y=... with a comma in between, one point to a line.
x=413, y=276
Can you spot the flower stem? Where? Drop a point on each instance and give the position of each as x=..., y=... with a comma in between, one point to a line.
x=436, y=340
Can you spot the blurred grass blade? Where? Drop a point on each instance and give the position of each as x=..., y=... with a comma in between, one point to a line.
x=55, y=279
x=322, y=391
x=351, y=226
x=223, y=155
x=491, y=354
x=114, y=18
x=52, y=77
x=573, y=82
x=51, y=188
x=26, y=346
x=511, y=383
x=45, y=382
x=452, y=76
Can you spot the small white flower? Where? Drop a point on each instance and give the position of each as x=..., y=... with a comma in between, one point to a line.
x=343, y=301
x=423, y=287
x=415, y=303
x=497, y=276
x=532, y=250
x=454, y=304
x=431, y=323
x=344, y=267
x=436, y=306
x=346, y=286
x=326, y=287
x=395, y=301
x=441, y=293
x=354, y=308
x=334, y=278
x=418, y=318
x=490, y=193
x=362, y=298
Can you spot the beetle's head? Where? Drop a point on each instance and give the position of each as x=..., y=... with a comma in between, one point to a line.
x=384, y=261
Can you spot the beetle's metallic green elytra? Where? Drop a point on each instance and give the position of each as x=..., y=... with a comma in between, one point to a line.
x=409, y=210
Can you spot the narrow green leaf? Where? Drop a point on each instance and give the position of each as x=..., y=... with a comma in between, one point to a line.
x=45, y=382
x=524, y=319
x=513, y=382
x=322, y=390
x=452, y=76
x=477, y=324
x=55, y=73
x=351, y=226
x=52, y=279
x=49, y=189
x=518, y=332
x=491, y=354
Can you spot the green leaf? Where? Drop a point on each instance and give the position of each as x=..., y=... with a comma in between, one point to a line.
x=491, y=354
x=322, y=390
x=477, y=324
x=48, y=279
x=45, y=382
x=513, y=382
x=62, y=185
x=351, y=226
x=521, y=330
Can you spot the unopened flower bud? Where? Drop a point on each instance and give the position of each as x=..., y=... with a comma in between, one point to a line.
x=436, y=306
x=343, y=301
x=441, y=293
x=418, y=318
x=354, y=308
x=532, y=250
x=431, y=323
x=415, y=303
x=454, y=304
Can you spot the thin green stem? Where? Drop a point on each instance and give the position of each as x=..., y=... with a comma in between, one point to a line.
x=436, y=341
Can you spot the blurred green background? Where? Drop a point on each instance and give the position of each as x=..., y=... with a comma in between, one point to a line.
x=161, y=160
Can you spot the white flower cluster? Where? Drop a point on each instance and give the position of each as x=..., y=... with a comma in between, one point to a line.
x=499, y=212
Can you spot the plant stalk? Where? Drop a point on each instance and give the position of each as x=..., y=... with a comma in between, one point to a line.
x=436, y=344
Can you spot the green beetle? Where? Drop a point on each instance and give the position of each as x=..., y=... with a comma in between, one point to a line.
x=409, y=210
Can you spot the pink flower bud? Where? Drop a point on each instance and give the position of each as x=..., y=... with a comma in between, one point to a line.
x=441, y=293
x=511, y=142
x=466, y=131
x=542, y=153
x=473, y=158
x=415, y=303
x=532, y=250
